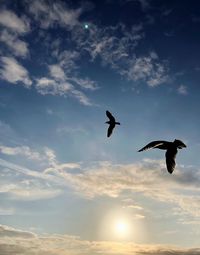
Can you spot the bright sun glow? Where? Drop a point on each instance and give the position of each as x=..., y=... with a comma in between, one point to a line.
x=121, y=228
x=118, y=226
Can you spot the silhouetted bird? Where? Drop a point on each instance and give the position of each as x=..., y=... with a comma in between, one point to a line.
x=111, y=122
x=171, y=152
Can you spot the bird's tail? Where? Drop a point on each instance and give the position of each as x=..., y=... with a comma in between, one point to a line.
x=117, y=123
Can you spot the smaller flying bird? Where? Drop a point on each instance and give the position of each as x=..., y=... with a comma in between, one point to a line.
x=172, y=149
x=111, y=123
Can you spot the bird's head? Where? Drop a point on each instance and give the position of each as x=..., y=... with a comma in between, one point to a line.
x=179, y=144
x=107, y=122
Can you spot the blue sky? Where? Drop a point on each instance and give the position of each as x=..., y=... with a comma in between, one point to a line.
x=65, y=187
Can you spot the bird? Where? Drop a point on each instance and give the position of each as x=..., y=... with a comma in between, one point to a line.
x=111, y=123
x=171, y=151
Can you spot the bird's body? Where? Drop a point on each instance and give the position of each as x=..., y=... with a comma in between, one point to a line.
x=111, y=123
x=171, y=151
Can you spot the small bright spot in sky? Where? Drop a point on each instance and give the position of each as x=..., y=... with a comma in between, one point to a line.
x=86, y=26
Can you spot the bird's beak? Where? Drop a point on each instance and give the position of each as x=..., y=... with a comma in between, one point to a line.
x=182, y=146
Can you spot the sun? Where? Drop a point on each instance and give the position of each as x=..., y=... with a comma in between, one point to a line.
x=117, y=226
x=121, y=228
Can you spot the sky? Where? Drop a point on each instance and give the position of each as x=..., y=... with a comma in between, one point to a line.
x=67, y=189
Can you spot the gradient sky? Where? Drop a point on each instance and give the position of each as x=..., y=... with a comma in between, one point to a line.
x=64, y=185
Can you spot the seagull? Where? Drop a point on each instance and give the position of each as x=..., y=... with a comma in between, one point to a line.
x=111, y=122
x=172, y=149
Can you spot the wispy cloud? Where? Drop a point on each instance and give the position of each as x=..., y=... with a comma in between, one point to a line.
x=149, y=69
x=10, y=20
x=25, y=184
x=12, y=71
x=183, y=90
x=19, y=150
x=6, y=231
x=106, y=179
x=145, y=4
x=81, y=97
x=167, y=12
x=57, y=72
x=119, y=52
x=47, y=86
x=147, y=178
x=49, y=15
x=14, y=27
x=64, y=85
x=67, y=59
x=45, y=155
x=16, y=45
x=114, y=50
x=16, y=241
x=115, y=46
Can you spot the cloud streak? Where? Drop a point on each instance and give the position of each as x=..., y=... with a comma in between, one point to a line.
x=149, y=178
x=56, y=13
x=10, y=20
x=119, y=52
x=12, y=71
x=16, y=45
x=15, y=241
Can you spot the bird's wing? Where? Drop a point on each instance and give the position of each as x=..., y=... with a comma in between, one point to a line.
x=110, y=129
x=109, y=115
x=170, y=159
x=152, y=145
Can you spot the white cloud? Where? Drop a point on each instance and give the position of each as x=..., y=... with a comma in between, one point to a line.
x=81, y=97
x=114, y=50
x=62, y=86
x=118, y=52
x=182, y=90
x=47, y=86
x=66, y=58
x=13, y=72
x=147, y=178
x=148, y=69
x=29, y=173
x=17, y=46
x=6, y=231
x=85, y=83
x=50, y=154
x=57, y=167
x=10, y=20
x=49, y=15
x=20, y=150
x=57, y=72
x=106, y=179
x=30, y=192
x=46, y=155
x=28, y=186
